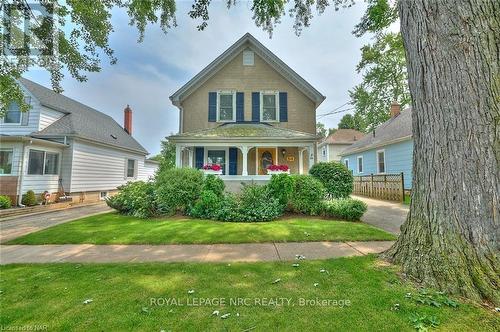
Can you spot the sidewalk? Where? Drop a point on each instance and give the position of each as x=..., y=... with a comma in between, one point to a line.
x=22, y=225
x=89, y=253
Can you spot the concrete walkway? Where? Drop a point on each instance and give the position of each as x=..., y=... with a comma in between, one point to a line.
x=383, y=214
x=22, y=225
x=89, y=253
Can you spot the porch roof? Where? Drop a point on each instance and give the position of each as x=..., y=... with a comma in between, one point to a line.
x=245, y=132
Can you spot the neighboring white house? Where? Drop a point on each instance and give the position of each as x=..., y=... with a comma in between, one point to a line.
x=62, y=146
x=331, y=147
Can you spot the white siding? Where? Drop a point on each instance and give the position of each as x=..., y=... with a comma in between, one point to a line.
x=66, y=169
x=40, y=183
x=147, y=171
x=17, y=150
x=96, y=168
x=335, y=149
x=47, y=117
x=20, y=129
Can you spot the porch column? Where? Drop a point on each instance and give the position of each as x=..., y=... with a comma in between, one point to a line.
x=178, y=156
x=301, y=161
x=244, y=152
x=190, y=154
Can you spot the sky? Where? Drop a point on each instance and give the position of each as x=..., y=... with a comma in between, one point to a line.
x=147, y=73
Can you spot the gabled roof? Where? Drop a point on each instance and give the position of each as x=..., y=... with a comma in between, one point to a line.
x=343, y=136
x=80, y=120
x=247, y=131
x=394, y=130
x=247, y=41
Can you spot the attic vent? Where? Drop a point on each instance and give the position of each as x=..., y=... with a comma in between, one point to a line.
x=248, y=58
x=113, y=136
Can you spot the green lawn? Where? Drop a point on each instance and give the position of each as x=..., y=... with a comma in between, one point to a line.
x=128, y=297
x=114, y=228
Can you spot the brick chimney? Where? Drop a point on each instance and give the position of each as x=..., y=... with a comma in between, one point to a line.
x=395, y=109
x=127, y=122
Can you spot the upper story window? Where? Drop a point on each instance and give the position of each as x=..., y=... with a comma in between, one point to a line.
x=248, y=58
x=269, y=108
x=6, y=161
x=381, y=161
x=43, y=163
x=360, y=164
x=13, y=114
x=226, y=106
x=131, y=168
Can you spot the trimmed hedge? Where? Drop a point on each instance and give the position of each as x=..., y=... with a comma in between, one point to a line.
x=214, y=184
x=29, y=199
x=308, y=194
x=336, y=178
x=136, y=199
x=178, y=189
x=281, y=187
x=345, y=208
x=5, y=202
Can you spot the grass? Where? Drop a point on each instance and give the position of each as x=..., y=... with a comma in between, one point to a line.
x=114, y=228
x=127, y=297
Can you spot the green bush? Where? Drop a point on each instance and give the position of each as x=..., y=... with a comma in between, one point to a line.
x=29, y=199
x=178, y=189
x=136, y=199
x=308, y=194
x=5, y=202
x=257, y=204
x=336, y=178
x=208, y=206
x=281, y=187
x=345, y=208
x=214, y=184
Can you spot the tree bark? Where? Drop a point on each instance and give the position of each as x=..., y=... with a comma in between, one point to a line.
x=450, y=238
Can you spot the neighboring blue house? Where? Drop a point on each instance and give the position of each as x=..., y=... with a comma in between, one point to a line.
x=386, y=150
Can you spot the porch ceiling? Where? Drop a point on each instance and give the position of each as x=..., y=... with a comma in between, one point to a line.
x=245, y=132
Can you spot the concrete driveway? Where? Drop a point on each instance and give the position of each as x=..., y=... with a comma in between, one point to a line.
x=22, y=225
x=383, y=214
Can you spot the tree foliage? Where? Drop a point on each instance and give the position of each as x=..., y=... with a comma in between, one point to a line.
x=320, y=130
x=350, y=121
x=167, y=155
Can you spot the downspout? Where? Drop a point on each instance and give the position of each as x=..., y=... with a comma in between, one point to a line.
x=21, y=176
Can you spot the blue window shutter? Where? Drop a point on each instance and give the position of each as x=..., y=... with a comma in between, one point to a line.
x=256, y=106
x=212, y=106
x=199, y=156
x=240, y=104
x=283, y=106
x=233, y=161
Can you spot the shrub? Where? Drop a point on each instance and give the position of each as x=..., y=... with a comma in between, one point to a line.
x=136, y=199
x=336, y=178
x=345, y=208
x=281, y=187
x=308, y=193
x=178, y=189
x=207, y=206
x=228, y=208
x=214, y=184
x=257, y=204
x=5, y=202
x=29, y=199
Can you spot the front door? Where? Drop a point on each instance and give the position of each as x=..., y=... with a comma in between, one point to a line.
x=265, y=158
x=217, y=157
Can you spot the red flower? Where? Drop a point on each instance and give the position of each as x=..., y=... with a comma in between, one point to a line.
x=282, y=168
x=213, y=167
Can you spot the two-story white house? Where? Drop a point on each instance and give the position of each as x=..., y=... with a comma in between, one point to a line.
x=64, y=147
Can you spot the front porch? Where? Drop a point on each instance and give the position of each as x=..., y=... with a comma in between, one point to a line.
x=246, y=162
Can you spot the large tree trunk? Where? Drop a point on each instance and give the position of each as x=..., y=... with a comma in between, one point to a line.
x=450, y=239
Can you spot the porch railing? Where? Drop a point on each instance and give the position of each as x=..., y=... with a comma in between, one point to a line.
x=388, y=187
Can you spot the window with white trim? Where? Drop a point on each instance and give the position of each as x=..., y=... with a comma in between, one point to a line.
x=226, y=106
x=13, y=114
x=323, y=151
x=43, y=162
x=103, y=195
x=6, y=161
x=269, y=106
x=131, y=168
x=360, y=164
x=381, y=161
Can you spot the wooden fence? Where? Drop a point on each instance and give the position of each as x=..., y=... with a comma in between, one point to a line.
x=388, y=187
